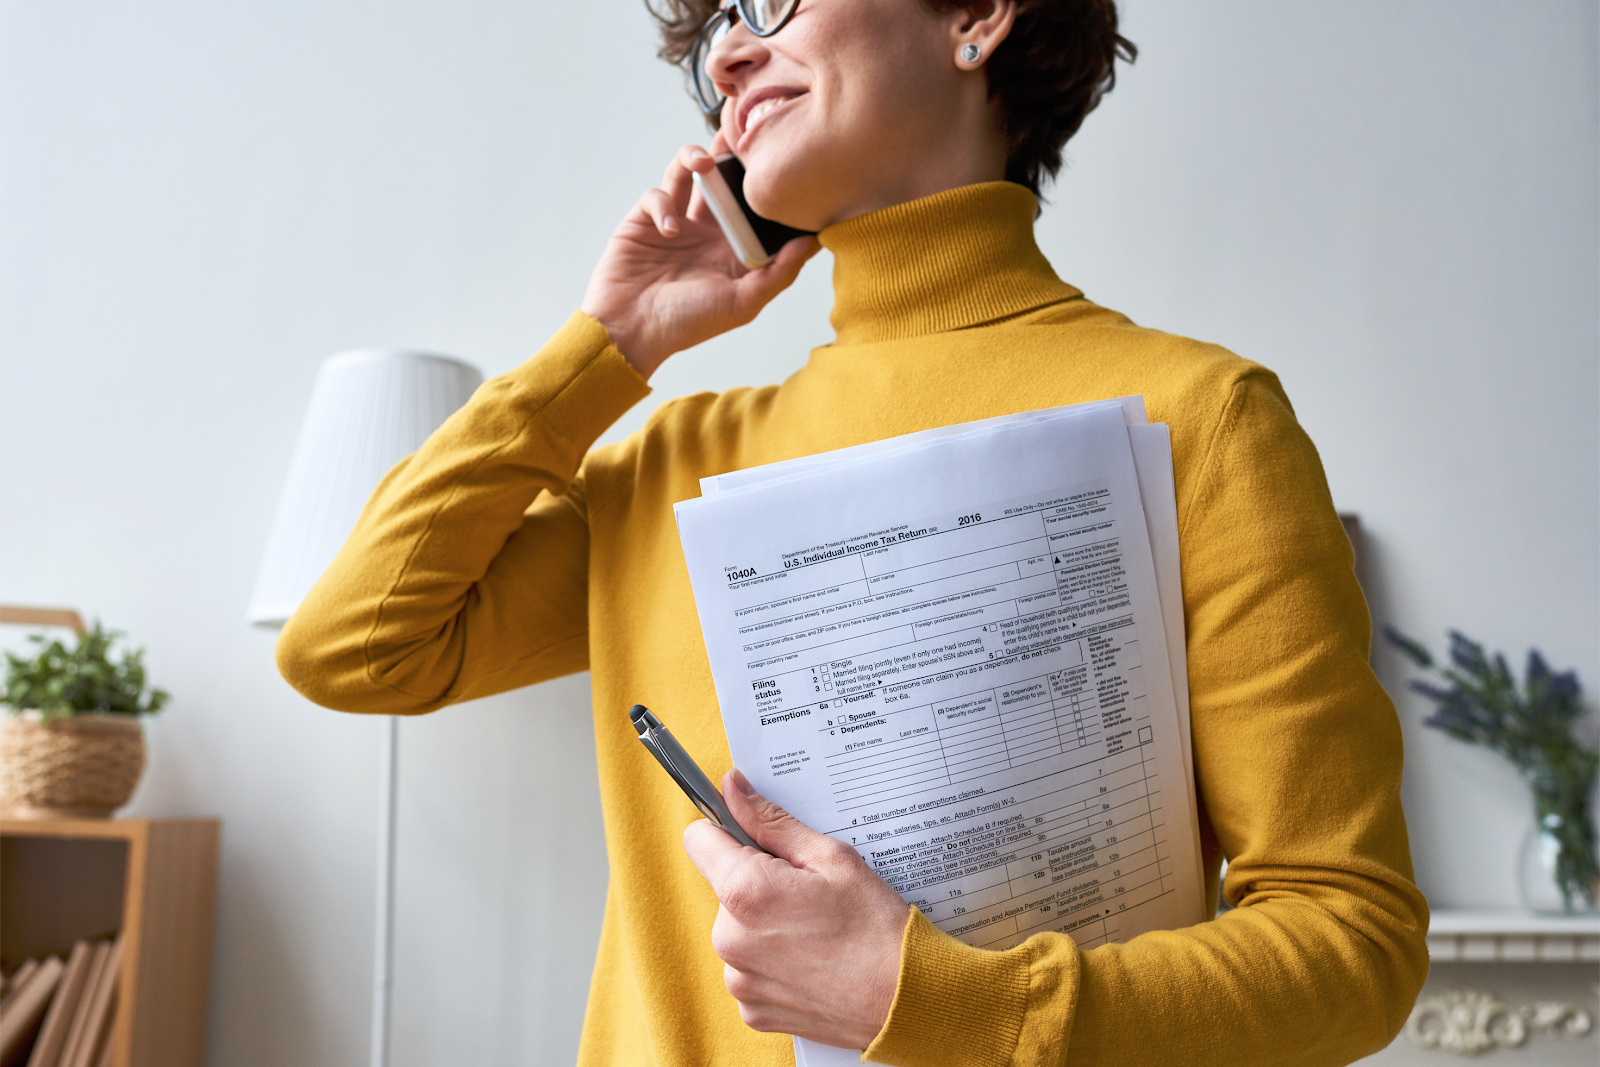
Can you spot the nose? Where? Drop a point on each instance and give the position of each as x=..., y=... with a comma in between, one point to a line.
x=734, y=58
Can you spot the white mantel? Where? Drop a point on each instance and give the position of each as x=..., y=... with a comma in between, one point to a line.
x=1468, y=936
x=1540, y=1010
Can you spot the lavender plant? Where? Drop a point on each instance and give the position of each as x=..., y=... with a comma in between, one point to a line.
x=1532, y=725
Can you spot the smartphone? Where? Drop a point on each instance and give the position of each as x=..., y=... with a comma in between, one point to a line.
x=754, y=239
x=690, y=778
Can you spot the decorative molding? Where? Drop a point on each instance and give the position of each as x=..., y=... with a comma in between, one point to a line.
x=1558, y=1017
x=1467, y=1022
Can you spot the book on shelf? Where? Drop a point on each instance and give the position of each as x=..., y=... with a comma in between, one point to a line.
x=19, y=979
x=25, y=1013
x=58, y=1021
x=99, y=1003
x=59, y=1014
x=78, y=1018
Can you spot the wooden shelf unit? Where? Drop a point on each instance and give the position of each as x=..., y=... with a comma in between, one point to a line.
x=154, y=881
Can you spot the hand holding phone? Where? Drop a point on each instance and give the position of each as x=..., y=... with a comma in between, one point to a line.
x=669, y=279
x=754, y=239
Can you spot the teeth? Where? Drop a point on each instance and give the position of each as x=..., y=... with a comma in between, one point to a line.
x=762, y=108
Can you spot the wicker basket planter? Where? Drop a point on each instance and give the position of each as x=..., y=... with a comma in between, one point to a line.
x=86, y=766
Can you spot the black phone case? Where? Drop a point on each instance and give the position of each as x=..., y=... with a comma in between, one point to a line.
x=772, y=235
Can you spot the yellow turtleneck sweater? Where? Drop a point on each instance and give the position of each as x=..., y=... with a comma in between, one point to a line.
x=506, y=551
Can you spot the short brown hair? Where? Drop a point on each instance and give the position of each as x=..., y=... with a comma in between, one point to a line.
x=1053, y=69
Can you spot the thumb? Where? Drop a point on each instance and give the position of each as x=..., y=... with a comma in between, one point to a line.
x=773, y=828
x=758, y=287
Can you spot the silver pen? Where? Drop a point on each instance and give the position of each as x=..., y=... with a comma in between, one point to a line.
x=690, y=778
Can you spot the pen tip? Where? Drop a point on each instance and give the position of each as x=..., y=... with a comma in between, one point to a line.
x=638, y=714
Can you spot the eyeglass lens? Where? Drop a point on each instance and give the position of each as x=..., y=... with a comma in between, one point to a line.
x=763, y=17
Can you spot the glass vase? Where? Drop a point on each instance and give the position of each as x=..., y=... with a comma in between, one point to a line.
x=1558, y=871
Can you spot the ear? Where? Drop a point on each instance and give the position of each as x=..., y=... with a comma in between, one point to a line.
x=984, y=24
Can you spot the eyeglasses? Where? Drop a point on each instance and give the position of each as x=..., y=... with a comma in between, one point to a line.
x=761, y=17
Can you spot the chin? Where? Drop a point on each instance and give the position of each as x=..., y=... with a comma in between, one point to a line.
x=778, y=189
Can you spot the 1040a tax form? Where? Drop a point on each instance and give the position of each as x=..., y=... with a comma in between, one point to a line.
x=962, y=653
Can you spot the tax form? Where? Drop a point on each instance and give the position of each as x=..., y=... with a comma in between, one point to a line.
x=951, y=651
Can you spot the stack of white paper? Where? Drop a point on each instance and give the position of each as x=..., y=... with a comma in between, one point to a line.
x=962, y=652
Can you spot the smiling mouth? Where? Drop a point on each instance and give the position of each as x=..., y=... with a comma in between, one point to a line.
x=759, y=113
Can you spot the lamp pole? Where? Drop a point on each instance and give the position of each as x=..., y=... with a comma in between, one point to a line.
x=383, y=933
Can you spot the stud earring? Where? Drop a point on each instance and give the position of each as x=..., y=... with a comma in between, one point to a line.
x=970, y=53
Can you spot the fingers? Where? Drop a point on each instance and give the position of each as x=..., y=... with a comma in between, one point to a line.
x=660, y=209
x=667, y=206
x=747, y=883
x=689, y=158
x=762, y=1001
x=759, y=286
x=714, y=854
x=719, y=147
x=677, y=185
x=777, y=831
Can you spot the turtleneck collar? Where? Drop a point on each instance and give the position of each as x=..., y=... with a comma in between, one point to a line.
x=958, y=258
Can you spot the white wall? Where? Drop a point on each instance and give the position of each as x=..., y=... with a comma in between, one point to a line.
x=1392, y=204
x=1395, y=206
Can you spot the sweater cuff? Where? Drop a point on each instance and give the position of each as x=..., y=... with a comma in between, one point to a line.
x=582, y=380
x=954, y=1004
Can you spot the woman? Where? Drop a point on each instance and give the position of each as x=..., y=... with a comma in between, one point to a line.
x=914, y=135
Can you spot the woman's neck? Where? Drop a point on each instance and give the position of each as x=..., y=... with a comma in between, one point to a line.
x=959, y=258
x=960, y=151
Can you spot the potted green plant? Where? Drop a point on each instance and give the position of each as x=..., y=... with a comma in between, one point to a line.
x=1532, y=724
x=71, y=744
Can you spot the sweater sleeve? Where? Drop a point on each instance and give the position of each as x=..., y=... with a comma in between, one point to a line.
x=467, y=573
x=1297, y=755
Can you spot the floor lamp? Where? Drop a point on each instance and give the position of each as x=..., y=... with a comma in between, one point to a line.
x=369, y=409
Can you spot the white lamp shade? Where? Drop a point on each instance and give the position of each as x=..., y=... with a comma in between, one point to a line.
x=369, y=410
